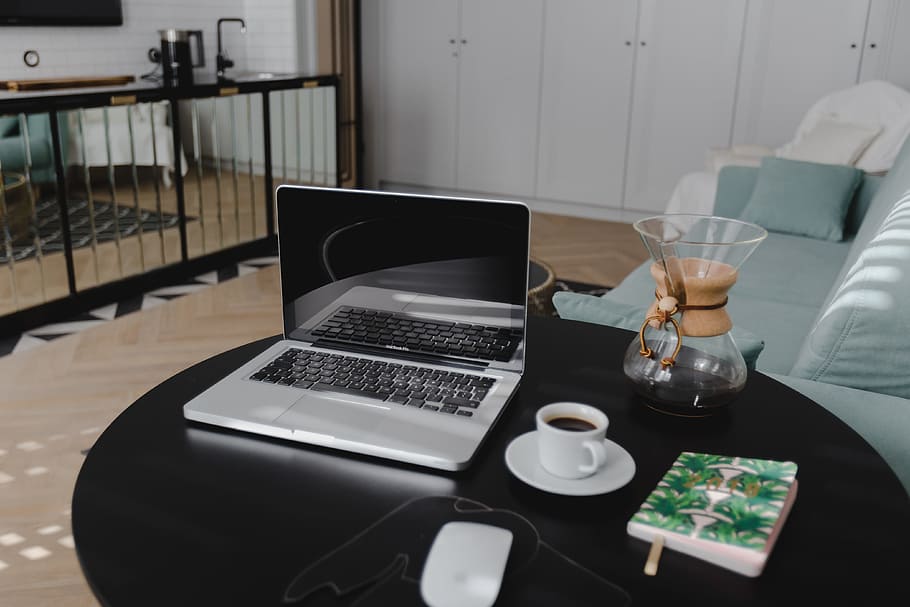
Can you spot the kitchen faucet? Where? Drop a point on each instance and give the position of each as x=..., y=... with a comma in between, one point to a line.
x=221, y=60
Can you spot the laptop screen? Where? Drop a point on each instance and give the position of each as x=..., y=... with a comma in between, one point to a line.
x=422, y=277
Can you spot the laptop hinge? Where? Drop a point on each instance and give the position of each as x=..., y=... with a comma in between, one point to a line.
x=402, y=354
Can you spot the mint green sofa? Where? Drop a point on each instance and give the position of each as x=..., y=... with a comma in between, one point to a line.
x=834, y=316
x=12, y=153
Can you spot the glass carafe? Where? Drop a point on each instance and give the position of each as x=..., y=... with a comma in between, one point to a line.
x=684, y=360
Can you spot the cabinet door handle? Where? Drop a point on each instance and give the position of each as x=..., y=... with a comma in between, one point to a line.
x=643, y=43
x=464, y=40
x=628, y=43
x=853, y=45
x=873, y=45
x=451, y=40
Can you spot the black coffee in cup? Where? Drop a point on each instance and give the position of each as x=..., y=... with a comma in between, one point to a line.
x=572, y=424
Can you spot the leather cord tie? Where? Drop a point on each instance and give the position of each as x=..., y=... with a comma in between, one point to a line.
x=667, y=307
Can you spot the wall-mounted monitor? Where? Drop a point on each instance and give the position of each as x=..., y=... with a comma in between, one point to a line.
x=61, y=12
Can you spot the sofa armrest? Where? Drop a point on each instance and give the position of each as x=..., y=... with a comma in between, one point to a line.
x=603, y=311
x=734, y=188
x=881, y=419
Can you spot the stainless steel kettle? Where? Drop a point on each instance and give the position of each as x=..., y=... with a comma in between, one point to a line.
x=177, y=55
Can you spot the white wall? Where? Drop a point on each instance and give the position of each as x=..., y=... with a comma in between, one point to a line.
x=271, y=38
x=269, y=44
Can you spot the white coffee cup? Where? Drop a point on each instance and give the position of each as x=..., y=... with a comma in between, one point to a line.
x=570, y=439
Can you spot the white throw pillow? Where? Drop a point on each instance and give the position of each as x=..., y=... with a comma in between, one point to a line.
x=830, y=142
x=738, y=155
x=874, y=102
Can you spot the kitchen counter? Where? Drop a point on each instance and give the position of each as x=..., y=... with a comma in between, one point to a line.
x=136, y=92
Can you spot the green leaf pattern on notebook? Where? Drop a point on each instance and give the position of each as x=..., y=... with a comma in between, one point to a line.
x=729, y=500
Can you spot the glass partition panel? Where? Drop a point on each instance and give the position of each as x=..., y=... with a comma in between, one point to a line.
x=148, y=184
x=121, y=199
x=32, y=265
x=118, y=215
x=303, y=136
x=224, y=188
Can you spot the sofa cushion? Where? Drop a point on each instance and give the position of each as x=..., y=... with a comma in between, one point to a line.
x=588, y=308
x=805, y=198
x=884, y=421
x=734, y=188
x=760, y=276
x=761, y=293
x=785, y=260
x=636, y=289
x=781, y=327
x=764, y=299
x=862, y=336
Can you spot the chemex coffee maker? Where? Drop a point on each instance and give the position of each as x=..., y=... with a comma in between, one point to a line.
x=177, y=56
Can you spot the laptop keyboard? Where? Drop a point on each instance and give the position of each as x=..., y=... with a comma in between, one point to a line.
x=409, y=385
x=393, y=330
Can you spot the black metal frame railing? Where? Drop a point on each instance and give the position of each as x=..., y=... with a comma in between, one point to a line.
x=79, y=297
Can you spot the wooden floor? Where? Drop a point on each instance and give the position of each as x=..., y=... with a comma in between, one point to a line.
x=596, y=252
x=57, y=398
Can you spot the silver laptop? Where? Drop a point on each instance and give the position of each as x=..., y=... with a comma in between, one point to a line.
x=404, y=326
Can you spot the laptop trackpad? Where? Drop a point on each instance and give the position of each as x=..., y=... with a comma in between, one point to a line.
x=333, y=415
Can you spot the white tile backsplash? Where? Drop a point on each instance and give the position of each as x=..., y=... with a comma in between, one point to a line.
x=270, y=42
x=276, y=51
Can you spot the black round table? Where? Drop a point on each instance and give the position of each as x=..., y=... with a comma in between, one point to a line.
x=166, y=512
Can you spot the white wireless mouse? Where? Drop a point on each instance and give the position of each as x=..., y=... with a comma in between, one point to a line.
x=465, y=565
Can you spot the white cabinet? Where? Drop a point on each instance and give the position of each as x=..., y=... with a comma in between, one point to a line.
x=797, y=51
x=606, y=104
x=683, y=94
x=498, y=92
x=460, y=86
x=588, y=54
x=418, y=84
x=632, y=95
x=886, y=52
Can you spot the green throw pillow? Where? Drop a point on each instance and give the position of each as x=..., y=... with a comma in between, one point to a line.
x=804, y=198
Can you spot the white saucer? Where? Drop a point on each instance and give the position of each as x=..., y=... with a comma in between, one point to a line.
x=522, y=460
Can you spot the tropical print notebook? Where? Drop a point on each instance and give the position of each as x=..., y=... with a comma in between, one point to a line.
x=724, y=510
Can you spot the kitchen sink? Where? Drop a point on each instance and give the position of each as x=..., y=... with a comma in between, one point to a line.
x=256, y=75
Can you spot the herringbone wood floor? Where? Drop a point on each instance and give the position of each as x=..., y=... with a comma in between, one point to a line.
x=57, y=398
